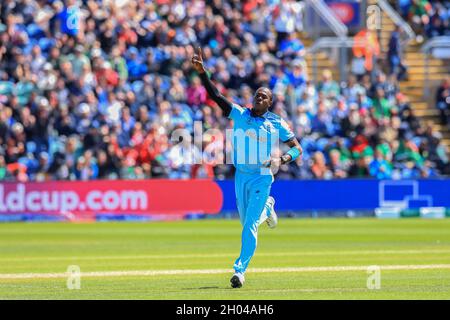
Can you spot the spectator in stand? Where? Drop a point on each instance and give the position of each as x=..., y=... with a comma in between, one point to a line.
x=196, y=93
x=322, y=121
x=291, y=47
x=352, y=89
x=136, y=66
x=404, y=6
x=319, y=169
x=419, y=16
x=379, y=168
x=286, y=16
x=443, y=100
x=360, y=168
x=394, y=53
x=69, y=18
x=338, y=167
x=297, y=77
x=382, y=107
x=328, y=86
x=366, y=46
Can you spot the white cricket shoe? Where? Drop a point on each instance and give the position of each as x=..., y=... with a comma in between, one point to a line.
x=237, y=280
x=272, y=220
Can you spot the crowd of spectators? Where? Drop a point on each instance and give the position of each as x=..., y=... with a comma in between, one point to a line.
x=428, y=18
x=93, y=90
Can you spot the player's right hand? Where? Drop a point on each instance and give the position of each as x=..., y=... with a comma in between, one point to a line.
x=272, y=162
x=197, y=61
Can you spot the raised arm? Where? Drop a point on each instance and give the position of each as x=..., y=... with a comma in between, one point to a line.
x=222, y=102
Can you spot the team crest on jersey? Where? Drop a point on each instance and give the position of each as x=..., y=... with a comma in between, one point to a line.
x=270, y=127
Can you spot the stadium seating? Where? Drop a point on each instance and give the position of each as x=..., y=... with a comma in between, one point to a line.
x=99, y=100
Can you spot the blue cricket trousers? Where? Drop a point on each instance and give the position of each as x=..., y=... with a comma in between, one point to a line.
x=252, y=191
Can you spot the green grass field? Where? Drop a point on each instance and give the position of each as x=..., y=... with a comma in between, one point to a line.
x=414, y=256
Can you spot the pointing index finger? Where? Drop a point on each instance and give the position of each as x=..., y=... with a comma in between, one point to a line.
x=200, y=52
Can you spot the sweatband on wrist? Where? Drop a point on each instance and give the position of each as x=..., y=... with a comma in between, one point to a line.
x=294, y=153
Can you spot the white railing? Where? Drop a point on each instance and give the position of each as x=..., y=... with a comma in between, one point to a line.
x=397, y=19
x=323, y=11
x=443, y=43
x=436, y=42
x=330, y=42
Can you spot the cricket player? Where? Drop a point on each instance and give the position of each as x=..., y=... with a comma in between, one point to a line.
x=254, y=165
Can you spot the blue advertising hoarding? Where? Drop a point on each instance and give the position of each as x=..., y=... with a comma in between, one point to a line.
x=302, y=195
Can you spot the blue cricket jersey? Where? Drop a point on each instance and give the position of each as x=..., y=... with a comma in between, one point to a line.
x=255, y=137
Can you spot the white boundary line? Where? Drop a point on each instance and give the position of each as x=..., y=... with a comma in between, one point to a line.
x=132, y=273
x=223, y=255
